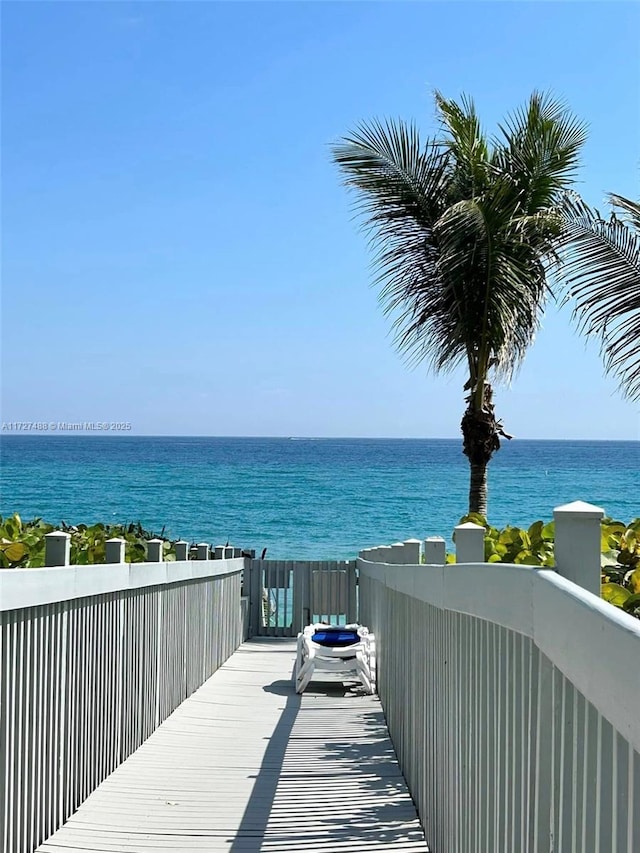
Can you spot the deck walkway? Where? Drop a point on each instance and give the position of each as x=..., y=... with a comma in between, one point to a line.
x=246, y=765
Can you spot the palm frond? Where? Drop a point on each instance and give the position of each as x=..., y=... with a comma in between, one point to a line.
x=540, y=146
x=402, y=191
x=630, y=210
x=394, y=173
x=601, y=273
x=465, y=140
x=462, y=232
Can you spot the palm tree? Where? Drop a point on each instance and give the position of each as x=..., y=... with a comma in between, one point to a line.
x=465, y=229
x=602, y=273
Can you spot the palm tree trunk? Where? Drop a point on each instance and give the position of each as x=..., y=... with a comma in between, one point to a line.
x=481, y=438
x=478, y=491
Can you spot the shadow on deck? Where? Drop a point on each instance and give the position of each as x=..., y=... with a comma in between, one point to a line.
x=245, y=765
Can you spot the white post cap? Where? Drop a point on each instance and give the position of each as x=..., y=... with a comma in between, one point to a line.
x=579, y=509
x=469, y=539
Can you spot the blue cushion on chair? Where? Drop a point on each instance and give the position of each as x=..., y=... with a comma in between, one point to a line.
x=336, y=637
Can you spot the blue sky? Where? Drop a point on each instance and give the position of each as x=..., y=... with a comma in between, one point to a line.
x=178, y=250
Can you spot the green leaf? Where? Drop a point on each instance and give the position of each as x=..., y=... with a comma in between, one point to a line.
x=632, y=603
x=549, y=531
x=509, y=535
x=15, y=552
x=474, y=518
x=531, y=560
x=614, y=593
x=634, y=581
x=535, y=531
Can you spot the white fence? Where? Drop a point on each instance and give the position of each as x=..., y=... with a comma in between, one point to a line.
x=286, y=595
x=512, y=697
x=92, y=660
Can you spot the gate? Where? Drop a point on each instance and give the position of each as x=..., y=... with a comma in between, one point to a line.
x=286, y=595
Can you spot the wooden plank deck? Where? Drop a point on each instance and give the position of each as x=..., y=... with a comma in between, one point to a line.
x=246, y=765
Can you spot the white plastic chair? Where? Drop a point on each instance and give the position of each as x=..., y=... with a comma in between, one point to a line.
x=347, y=648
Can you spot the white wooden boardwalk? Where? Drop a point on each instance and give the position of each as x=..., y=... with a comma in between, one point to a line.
x=245, y=765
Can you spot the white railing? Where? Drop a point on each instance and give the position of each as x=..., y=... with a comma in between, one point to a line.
x=513, y=699
x=286, y=595
x=92, y=660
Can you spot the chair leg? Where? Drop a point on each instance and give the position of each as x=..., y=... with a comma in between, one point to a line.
x=304, y=676
x=365, y=681
x=363, y=672
x=299, y=661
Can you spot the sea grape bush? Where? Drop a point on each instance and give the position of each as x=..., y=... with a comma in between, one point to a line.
x=530, y=547
x=534, y=546
x=621, y=564
x=22, y=543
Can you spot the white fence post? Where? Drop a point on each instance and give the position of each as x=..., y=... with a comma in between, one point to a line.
x=202, y=551
x=182, y=550
x=154, y=550
x=577, y=543
x=469, y=539
x=435, y=551
x=397, y=553
x=57, y=548
x=412, y=551
x=114, y=550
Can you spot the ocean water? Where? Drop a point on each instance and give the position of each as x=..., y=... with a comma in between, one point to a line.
x=304, y=498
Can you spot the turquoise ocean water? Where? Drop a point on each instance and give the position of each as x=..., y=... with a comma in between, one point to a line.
x=304, y=498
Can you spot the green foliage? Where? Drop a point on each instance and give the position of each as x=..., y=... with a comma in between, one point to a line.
x=22, y=543
x=620, y=562
x=531, y=547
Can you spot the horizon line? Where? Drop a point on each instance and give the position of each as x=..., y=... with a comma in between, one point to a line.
x=117, y=435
